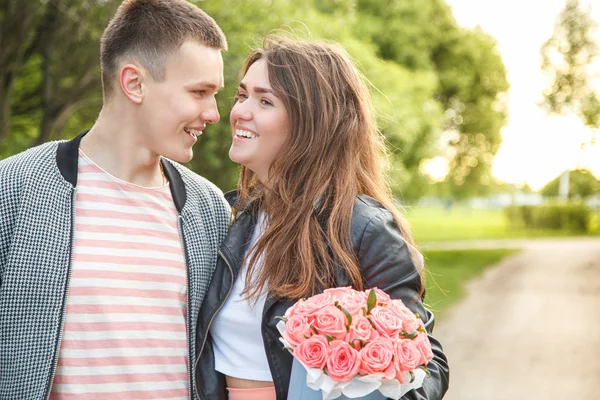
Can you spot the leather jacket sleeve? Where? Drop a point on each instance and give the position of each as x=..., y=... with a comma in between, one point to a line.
x=386, y=263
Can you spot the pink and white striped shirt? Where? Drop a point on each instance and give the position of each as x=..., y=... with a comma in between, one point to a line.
x=125, y=325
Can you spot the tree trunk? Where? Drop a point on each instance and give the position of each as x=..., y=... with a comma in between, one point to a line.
x=5, y=111
x=49, y=27
x=4, y=116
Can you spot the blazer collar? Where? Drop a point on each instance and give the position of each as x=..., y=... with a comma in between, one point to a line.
x=67, y=157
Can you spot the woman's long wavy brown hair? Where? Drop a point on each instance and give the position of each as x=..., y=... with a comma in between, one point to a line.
x=334, y=152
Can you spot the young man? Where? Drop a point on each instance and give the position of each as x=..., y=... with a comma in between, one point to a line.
x=106, y=245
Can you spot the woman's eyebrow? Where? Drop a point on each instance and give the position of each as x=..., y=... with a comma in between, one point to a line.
x=257, y=89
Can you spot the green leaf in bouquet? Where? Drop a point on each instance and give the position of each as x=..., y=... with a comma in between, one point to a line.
x=424, y=368
x=421, y=329
x=284, y=319
x=417, y=315
x=348, y=317
x=371, y=301
x=412, y=377
x=314, y=329
x=329, y=338
x=409, y=335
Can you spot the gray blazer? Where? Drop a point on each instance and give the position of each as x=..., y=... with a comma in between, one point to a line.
x=37, y=192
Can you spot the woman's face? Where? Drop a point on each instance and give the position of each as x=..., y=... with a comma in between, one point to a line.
x=259, y=122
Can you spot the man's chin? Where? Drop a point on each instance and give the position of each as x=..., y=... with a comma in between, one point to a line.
x=181, y=158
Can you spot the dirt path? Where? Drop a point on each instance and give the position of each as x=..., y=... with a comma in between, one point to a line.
x=530, y=326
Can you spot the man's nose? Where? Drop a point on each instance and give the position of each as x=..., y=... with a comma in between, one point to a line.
x=211, y=114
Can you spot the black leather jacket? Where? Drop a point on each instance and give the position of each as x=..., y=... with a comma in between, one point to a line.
x=385, y=263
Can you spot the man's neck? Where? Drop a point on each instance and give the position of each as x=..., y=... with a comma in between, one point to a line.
x=117, y=150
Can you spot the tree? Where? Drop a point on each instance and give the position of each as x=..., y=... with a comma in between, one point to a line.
x=426, y=75
x=471, y=79
x=20, y=35
x=566, y=58
x=582, y=184
x=408, y=116
x=61, y=73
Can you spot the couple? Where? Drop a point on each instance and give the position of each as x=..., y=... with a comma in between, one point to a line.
x=124, y=275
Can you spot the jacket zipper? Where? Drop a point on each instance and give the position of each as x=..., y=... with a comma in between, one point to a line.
x=212, y=317
x=64, y=303
x=187, y=325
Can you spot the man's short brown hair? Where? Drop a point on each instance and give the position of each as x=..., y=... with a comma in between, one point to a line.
x=149, y=31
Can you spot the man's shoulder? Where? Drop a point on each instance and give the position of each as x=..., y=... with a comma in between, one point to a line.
x=35, y=159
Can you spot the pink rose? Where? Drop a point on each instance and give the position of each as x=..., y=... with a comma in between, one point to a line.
x=406, y=357
x=297, y=330
x=312, y=352
x=354, y=304
x=361, y=330
x=331, y=321
x=343, y=361
x=339, y=293
x=423, y=344
x=410, y=323
x=386, y=321
x=377, y=357
x=382, y=297
x=293, y=309
x=312, y=305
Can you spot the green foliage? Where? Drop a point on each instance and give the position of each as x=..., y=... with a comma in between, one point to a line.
x=427, y=75
x=59, y=83
x=571, y=217
x=470, y=81
x=566, y=58
x=473, y=81
x=582, y=184
x=407, y=115
x=458, y=222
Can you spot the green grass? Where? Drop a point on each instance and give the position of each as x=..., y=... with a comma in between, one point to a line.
x=436, y=224
x=449, y=271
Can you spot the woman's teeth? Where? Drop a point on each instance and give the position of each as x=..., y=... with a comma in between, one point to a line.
x=245, y=134
x=193, y=132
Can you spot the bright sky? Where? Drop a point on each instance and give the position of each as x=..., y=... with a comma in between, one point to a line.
x=536, y=148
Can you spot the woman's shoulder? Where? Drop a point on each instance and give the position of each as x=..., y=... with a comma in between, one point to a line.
x=366, y=209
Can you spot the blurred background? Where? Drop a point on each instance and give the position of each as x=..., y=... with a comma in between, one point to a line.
x=485, y=104
x=490, y=108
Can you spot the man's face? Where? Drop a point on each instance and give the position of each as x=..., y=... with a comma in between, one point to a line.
x=175, y=111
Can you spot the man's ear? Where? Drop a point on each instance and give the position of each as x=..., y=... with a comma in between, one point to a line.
x=131, y=79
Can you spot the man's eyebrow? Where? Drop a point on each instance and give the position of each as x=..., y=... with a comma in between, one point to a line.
x=257, y=89
x=207, y=85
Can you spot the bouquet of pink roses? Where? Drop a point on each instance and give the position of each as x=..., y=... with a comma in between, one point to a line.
x=353, y=343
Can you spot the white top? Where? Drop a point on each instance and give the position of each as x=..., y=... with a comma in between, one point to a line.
x=236, y=330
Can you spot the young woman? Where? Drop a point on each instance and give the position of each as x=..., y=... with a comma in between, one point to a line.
x=312, y=211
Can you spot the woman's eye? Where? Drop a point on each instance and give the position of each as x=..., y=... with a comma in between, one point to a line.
x=242, y=96
x=200, y=92
x=266, y=102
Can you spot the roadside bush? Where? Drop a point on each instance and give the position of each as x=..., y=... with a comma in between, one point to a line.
x=572, y=217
